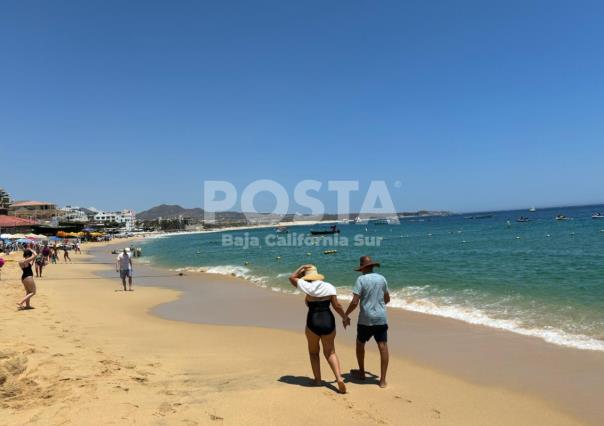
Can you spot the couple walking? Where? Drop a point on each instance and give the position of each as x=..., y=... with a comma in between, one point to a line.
x=370, y=292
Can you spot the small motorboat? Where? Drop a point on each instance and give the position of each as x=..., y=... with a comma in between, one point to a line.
x=333, y=229
x=522, y=219
x=562, y=217
x=281, y=230
x=532, y=210
x=377, y=221
x=480, y=216
x=597, y=215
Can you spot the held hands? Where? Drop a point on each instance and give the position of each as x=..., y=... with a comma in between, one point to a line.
x=346, y=322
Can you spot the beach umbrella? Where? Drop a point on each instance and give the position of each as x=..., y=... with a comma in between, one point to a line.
x=23, y=240
x=18, y=236
x=55, y=239
x=6, y=236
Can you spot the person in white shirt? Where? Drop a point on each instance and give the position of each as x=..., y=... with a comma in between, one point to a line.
x=123, y=265
x=320, y=322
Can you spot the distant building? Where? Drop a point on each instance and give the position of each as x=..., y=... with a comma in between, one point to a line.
x=4, y=201
x=126, y=218
x=36, y=210
x=74, y=214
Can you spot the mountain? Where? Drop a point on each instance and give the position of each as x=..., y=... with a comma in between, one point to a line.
x=169, y=211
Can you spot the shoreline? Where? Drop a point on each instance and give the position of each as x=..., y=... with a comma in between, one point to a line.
x=550, y=330
x=88, y=347
x=246, y=228
x=477, y=318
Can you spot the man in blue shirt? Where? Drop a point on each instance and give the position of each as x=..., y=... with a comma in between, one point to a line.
x=371, y=292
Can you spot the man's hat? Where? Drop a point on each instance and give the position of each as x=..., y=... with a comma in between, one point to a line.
x=366, y=262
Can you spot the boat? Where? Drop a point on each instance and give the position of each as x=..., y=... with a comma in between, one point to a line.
x=562, y=217
x=532, y=210
x=597, y=215
x=377, y=221
x=281, y=230
x=333, y=229
x=480, y=216
x=522, y=219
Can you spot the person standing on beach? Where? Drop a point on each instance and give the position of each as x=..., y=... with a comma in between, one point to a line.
x=320, y=322
x=27, y=278
x=46, y=253
x=371, y=292
x=40, y=263
x=123, y=265
x=66, y=254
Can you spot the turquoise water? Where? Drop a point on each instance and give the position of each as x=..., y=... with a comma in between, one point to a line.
x=543, y=278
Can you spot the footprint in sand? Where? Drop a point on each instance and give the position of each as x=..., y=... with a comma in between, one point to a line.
x=166, y=408
x=435, y=413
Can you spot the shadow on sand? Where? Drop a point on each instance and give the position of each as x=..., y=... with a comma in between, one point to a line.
x=370, y=378
x=307, y=382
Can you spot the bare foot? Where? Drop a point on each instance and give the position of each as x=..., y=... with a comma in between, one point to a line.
x=317, y=382
x=358, y=374
x=341, y=387
x=383, y=384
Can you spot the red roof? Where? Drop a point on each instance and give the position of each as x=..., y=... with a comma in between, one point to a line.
x=13, y=222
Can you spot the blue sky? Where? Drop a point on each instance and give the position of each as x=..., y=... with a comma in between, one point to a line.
x=472, y=105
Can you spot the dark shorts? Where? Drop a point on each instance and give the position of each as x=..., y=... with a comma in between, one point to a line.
x=366, y=332
x=125, y=273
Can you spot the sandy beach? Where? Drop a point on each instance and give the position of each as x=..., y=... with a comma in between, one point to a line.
x=91, y=354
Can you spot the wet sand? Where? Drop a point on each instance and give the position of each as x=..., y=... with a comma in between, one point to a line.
x=570, y=378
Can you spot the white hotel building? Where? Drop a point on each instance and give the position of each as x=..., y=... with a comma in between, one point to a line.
x=125, y=217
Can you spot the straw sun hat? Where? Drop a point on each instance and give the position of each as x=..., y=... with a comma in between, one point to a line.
x=311, y=274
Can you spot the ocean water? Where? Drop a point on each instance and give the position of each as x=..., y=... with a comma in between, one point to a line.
x=542, y=278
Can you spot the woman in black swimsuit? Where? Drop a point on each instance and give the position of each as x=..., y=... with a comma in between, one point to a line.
x=320, y=322
x=27, y=278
